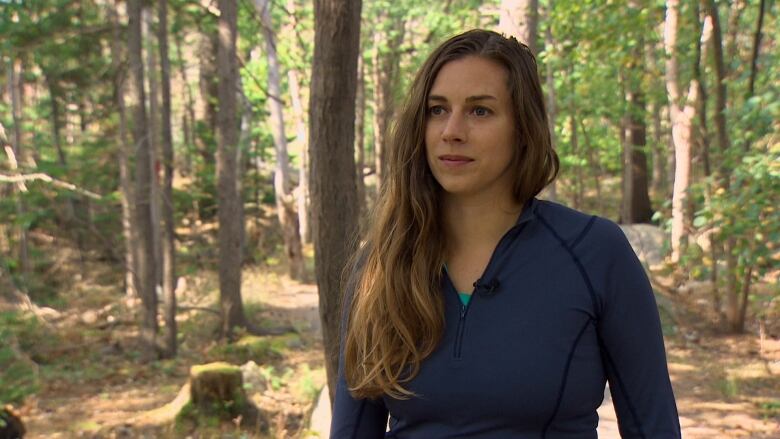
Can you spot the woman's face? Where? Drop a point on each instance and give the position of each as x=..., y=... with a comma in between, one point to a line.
x=470, y=129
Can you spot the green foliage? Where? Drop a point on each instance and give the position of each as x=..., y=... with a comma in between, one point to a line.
x=309, y=382
x=250, y=347
x=20, y=376
x=770, y=409
x=728, y=387
x=746, y=210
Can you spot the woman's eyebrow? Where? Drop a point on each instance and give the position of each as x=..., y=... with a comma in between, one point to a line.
x=438, y=98
x=481, y=98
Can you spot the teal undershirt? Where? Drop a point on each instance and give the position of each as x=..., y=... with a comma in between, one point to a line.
x=464, y=295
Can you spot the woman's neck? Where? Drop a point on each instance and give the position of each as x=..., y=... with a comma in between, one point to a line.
x=474, y=222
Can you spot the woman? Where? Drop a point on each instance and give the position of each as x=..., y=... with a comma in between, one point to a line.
x=476, y=310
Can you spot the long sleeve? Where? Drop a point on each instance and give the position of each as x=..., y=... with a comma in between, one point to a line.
x=354, y=418
x=632, y=343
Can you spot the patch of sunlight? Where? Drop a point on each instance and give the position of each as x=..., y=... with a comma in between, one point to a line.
x=750, y=370
x=87, y=426
x=720, y=406
x=681, y=367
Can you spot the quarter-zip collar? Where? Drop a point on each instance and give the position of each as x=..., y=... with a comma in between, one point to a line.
x=492, y=269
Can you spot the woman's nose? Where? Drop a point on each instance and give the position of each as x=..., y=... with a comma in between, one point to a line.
x=454, y=129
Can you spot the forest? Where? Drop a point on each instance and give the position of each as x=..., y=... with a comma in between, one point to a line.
x=183, y=182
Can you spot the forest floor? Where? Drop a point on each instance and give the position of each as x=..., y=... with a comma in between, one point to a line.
x=92, y=384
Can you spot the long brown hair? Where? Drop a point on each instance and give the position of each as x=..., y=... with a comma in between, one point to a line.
x=396, y=313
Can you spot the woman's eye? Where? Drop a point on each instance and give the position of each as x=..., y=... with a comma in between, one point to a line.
x=436, y=110
x=481, y=111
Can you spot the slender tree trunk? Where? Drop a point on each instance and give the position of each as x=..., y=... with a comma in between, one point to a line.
x=154, y=142
x=659, y=175
x=207, y=98
x=578, y=183
x=129, y=233
x=386, y=62
x=304, y=213
x=520, y=18
x=551, y=108
x=188, y=116
x=735, y=12
x=146, y=267
x=228, y=186
x=704, y=146
x=636, y=199
x=285, y=203
x=734, y=314
x=754, y=57
x=360, y=136
x=332, y=119
x=721, y=94
x=168, y=235
x=299, y=113
x=682, y=118
x=15, y=71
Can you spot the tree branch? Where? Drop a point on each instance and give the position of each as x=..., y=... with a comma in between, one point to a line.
x=21, y=178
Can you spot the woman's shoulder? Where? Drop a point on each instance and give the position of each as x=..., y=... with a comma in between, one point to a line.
x=576, y=228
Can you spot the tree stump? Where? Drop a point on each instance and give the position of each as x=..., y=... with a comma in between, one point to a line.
x=213, y=394
x=217, y=389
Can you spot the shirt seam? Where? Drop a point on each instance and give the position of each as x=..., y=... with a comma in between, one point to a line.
x=577, y=263
x=564, y=379
x=622, y=388
x=586, y=278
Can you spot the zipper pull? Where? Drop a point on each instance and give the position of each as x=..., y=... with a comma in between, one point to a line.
x=462, y=311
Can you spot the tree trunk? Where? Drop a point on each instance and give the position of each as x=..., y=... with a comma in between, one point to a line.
x=578, y=183
x=734, y=314
x=129, y=233
x=332, y=119
x=228, y=185
x=145, y=282
x=659, y=187
x=735, y=12
x=551, y=109
x=15, y=71
x=154, y=141
x=754, y=56
x=360, y=136
x=682, y=118
x=721, y=94
x=188, y=125
x=285, y=203
x=304, y=213
x=168, y=235
x=386, y=62
x=299, y=113
x=207, y=98
x=636, y=199
x=519, y=19
x=704, y=146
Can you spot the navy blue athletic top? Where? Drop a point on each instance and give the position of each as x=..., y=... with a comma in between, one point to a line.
x=563, y=306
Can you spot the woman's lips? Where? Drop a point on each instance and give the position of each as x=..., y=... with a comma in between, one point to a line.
x=455, y=160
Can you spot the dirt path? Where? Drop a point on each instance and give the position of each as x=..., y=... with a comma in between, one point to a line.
x=726, y=386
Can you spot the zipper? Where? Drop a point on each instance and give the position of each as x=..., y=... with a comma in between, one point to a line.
x=461, y=327
x=464, y=309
